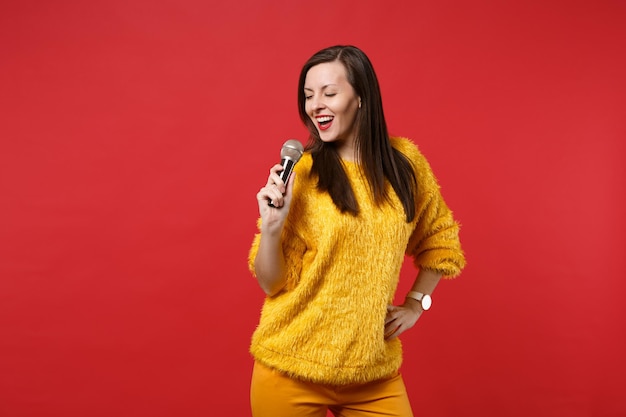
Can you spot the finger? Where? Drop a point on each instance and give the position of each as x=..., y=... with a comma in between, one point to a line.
x=392, y=332
x=275, y=191
x=275, y=179
x=391, y=316
x=276, y=198
x=287, y=192
x=269, y=192
x=275, y=169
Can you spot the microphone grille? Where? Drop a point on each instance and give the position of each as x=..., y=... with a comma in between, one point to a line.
x=292, y=149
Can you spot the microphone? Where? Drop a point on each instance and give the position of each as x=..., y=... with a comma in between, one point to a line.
x=290, y=154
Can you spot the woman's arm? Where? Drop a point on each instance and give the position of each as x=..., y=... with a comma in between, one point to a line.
x=269, y=263
x=403, y=317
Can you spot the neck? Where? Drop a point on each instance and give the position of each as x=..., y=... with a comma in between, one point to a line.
x=347, y=152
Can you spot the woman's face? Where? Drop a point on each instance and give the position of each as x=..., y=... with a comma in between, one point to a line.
x=332, y=105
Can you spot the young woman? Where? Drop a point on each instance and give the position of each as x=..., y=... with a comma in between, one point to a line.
x=330, y=249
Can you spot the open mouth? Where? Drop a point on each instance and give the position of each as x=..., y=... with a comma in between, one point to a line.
x=324, y=122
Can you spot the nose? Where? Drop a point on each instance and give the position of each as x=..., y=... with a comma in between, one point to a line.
x=317, y=103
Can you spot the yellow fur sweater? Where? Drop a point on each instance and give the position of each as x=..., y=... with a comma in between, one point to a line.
x=327, y=325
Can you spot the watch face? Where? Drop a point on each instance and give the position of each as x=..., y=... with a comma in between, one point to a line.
x=426, y=302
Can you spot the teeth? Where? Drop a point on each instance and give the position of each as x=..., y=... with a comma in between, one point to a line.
x=324, y=119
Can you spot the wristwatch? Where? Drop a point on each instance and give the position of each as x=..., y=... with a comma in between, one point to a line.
x=424, y=299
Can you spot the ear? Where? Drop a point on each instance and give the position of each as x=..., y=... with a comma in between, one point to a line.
x=359, y=102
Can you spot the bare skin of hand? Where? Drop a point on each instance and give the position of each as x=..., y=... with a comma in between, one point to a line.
x=279, y=194
x=401, y=318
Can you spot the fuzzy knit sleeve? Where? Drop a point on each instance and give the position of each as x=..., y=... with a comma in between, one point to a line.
x=434, y=244
x=255, y=248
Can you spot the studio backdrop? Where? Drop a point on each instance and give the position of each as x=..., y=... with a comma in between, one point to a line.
x=134, y=136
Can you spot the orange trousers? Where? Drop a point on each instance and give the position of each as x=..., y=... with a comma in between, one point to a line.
x=273, y=394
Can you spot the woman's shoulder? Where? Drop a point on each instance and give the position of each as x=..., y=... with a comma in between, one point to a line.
x=409, y=149
x=412, y=152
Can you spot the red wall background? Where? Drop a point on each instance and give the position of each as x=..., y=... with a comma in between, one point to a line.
x=135, y=134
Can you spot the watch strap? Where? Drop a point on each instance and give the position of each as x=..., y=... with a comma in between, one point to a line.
x=424, y=299
x=415, y=295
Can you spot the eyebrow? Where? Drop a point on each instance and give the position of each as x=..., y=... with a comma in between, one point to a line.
x=323, y=87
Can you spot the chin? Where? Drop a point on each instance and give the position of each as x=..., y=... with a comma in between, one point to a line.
x=329, y=140
x=325, y=137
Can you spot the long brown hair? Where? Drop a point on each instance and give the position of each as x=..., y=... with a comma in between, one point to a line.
x=378, y=159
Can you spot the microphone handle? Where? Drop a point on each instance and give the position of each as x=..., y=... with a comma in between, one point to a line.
x=288, y=165
x=284, y=175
